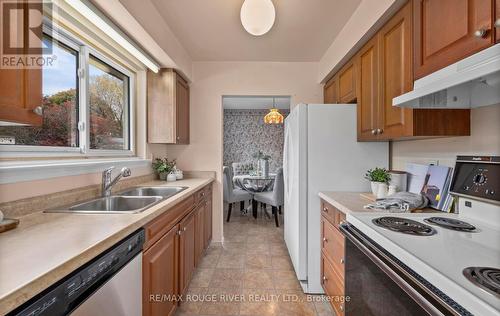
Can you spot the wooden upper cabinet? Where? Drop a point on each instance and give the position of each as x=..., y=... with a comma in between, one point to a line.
x=160, y=275
x=187, y=235
x=182, y=114
x=21, y=87
x=446, y=31
x=496, y=22
x=347, y=83
x=168, y=108
x=330, y=91
x=367, y=90
x=396, y=74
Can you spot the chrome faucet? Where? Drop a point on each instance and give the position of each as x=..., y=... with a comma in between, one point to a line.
x=107, y=183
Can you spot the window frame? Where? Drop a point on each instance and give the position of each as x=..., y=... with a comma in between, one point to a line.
x=84, y=51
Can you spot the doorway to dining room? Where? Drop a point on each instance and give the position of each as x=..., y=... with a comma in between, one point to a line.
x=253, y=138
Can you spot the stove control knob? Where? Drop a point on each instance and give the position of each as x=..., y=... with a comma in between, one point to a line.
x=479, y=179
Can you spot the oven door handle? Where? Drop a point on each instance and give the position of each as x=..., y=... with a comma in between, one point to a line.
x=397, y=274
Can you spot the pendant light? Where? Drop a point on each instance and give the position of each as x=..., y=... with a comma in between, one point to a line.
x=257, y=16
x=274, y=116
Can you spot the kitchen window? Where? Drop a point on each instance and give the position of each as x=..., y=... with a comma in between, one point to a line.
x=85, y=108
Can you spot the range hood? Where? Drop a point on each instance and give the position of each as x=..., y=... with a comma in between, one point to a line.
x=469, y=83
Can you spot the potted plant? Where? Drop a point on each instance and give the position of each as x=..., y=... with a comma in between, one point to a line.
x=164, y=168
x=377, y=177
x=262, y=162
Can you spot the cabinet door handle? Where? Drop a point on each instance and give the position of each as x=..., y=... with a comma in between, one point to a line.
x=325, y=210
x=341, y=306
x=184, y=229
x=481, y=33
x=497, y=23
x=179, y=232
x=342, y=261
x=379, y=131
x=324, y=279
x=374, y=132
x=178, y=138
x=324, y=239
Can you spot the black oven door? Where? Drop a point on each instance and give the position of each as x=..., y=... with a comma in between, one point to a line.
x=378, y=284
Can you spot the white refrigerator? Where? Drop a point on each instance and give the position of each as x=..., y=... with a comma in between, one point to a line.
x=321, y=153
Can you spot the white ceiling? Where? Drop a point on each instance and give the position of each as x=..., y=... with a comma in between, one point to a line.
x=210, y=30
x=255, y=103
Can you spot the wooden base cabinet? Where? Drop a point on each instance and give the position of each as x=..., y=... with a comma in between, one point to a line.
x=175, y=243
x=187, y=251
x=333, y=256
x=160, y=275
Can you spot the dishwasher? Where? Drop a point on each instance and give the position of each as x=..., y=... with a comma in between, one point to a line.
x=110, y=284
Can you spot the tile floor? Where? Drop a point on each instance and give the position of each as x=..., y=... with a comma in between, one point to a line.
x=249, y=274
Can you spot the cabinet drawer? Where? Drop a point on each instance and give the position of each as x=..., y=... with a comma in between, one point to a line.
x=161, y=225
x=333, y=246
x=333, y=285
x=203, y=193
x=328, y=211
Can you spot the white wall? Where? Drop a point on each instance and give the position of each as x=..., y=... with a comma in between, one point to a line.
x=484, y=140
x=211, y=81
x=369, y=16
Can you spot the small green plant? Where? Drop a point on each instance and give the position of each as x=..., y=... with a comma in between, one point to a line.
x=260, y=155
x=163, y=165
x=378, y=175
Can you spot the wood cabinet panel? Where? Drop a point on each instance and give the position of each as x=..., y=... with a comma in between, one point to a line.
x=395, y=44
x=368, y=89
x=347, y=83
x=444, y=31
x=199, y=224
x=160, y=275
x=333, y=245
x=182, y=110
x=208, y=222
x=333, y=284
x=187, y=235
x=157, y=228
x=330, y=91
x=168, y=107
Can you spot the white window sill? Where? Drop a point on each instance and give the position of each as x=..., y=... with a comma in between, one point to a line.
x=19, y=171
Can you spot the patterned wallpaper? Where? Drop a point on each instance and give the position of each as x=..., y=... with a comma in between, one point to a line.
x=245, y=133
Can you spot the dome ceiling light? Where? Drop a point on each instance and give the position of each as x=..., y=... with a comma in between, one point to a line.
x=257, y=16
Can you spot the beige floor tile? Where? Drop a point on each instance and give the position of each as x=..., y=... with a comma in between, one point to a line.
x=190, y=304
x=202, y=277
x=234, y=247
x=257, y=248
x=281, y=263
x=258, y=279
x=231, y=261
x=285, y=280
x=209, y=261
x=259, y=302
x=226, y=302
x=227, y=278
x=258, y=262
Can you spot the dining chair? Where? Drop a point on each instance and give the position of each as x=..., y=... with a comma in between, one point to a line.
x=242, y=168
x=275, y=198
x=232, y=195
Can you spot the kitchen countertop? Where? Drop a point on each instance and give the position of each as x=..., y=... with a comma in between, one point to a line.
x=353, y=202
x=48, y=246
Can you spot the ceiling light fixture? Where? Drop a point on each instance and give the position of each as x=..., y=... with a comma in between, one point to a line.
x=257, y=16
x=274, y=116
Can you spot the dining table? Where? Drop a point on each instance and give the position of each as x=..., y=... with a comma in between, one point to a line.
x=254, y=183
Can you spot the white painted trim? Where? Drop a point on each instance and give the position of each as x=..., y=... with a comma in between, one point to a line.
x=19, y=171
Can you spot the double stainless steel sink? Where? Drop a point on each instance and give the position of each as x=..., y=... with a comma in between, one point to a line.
x=134, y=200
